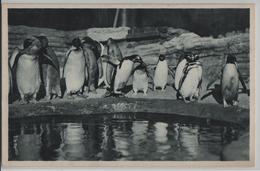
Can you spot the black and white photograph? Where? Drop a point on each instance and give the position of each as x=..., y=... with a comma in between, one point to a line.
x=129, y=84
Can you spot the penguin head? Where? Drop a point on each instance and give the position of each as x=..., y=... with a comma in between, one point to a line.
x=231, y=59
x=43, y=39
x=190, y=57
x=110, y=41
x=27, y=42
x=32, y=45
x=161, y=57
x=136, y=58
x=76, y=42
x=142, y=66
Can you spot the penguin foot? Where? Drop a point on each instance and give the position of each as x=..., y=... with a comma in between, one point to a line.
x=34, y=101
x=82, y=96
x=23, y=102
x=46, y=98
x=94, y=91
x=70, y=97
x=225, y=103
x=135, y=92
x=235, y=103
x=186, y=100
x=118, y=95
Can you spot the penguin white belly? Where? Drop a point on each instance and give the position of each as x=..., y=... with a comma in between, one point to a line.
x=161, y=74
x=179, y=73
x=74, y=72
x=140, y=81
x=230, y=82
x=190, y=86
x=28, y=75
x=123, y=74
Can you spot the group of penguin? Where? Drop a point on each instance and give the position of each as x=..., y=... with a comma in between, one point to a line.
x=87, y=66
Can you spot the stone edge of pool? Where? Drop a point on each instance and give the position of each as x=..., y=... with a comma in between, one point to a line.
x=235, y=115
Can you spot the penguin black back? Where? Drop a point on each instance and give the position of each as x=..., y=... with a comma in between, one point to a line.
x=95, y=46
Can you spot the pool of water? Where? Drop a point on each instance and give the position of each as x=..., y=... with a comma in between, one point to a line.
x=118, y=137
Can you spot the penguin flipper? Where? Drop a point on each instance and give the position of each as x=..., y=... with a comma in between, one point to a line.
x=50, y=54
x=65, y=61
x=16, y=61
x=13, y=56
x=242, y=82
x=171, y=72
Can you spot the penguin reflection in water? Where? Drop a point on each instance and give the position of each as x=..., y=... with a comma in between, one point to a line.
x=74, y=69
x=230, y=81
x=124, y=69
x=26, y=69
x=188, y=78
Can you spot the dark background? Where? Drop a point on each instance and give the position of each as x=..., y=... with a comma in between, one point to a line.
x=205, y=22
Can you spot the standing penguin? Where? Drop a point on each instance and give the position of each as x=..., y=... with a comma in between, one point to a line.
x=140, y=79
x=50, y=70
x=91, y=66
x=27, y=71
x=74, y=68
x=98, y=49
x=230, y=81
x=115, y=54
x=161, y=73
x=188, y=78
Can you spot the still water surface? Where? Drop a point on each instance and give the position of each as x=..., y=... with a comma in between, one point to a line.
x=118, y=137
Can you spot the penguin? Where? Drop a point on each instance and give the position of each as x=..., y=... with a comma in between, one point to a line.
x=140, y=79
x=92, y=65
x=27, y=71
x=74, y=68
x=188, y=78
x=124, y=69
x=161, y=73
x=98, y=49
x=230, y=81
x=50, y=73
x=115, y=54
